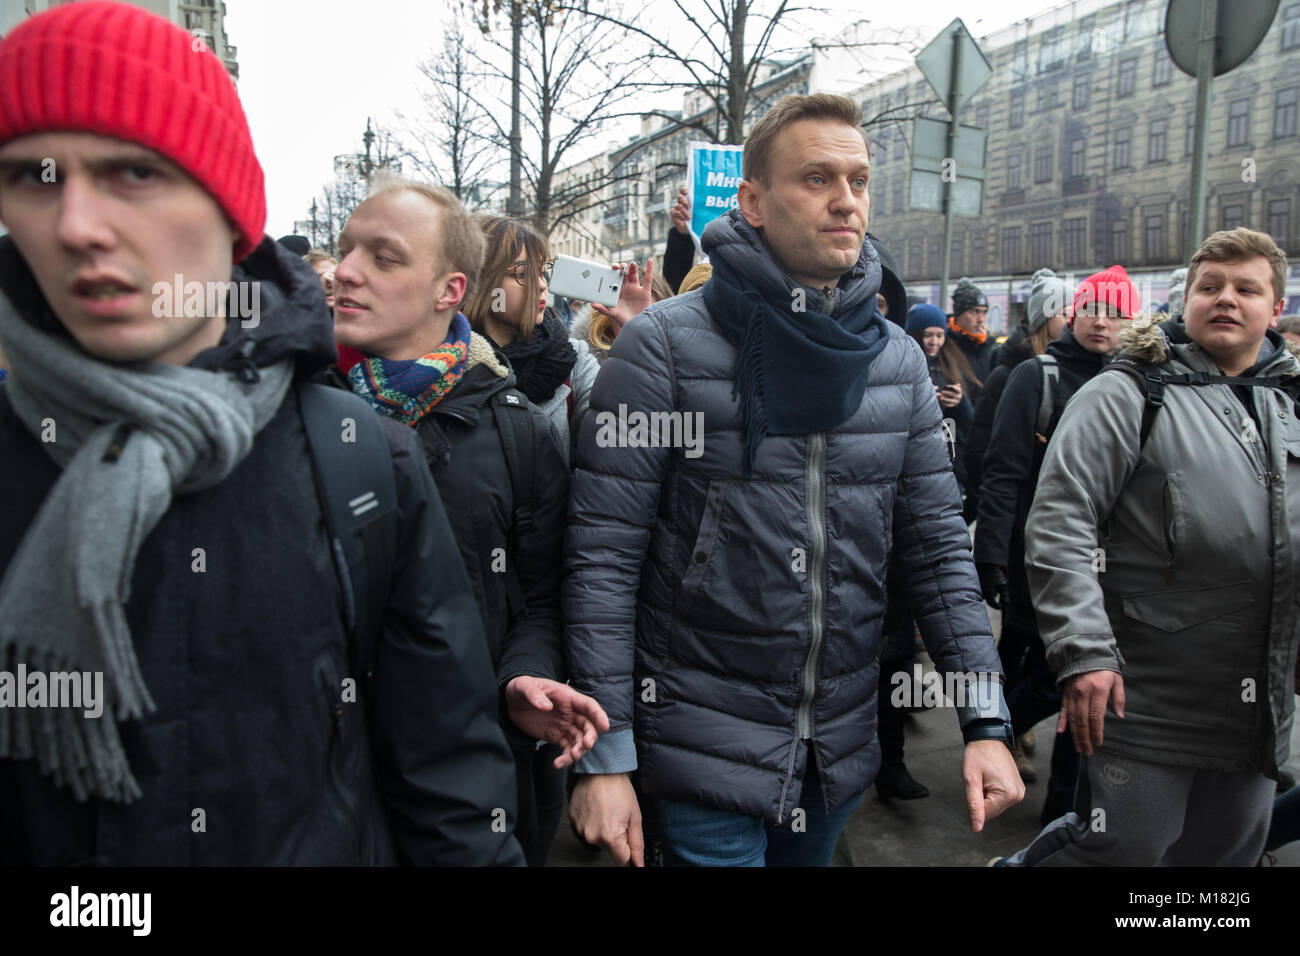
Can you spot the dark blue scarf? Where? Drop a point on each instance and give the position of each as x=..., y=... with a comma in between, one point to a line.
x=797, y=372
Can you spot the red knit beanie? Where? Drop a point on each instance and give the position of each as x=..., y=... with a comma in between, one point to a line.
x=118, y=70
x=1108, y=287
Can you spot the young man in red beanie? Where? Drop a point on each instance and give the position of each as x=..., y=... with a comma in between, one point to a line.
x=163, y=535
x=1161, y=550
x=1023, y=423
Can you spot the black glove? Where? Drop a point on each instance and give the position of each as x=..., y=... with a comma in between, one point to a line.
x=993, y=582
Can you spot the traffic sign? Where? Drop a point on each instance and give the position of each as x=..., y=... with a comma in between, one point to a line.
x=1237, y=33
x=935, y=63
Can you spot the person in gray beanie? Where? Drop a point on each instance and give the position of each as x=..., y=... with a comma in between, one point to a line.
x=1177, y=291
x=1049, y=297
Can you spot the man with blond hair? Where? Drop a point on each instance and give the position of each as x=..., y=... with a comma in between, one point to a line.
x=1162, y=555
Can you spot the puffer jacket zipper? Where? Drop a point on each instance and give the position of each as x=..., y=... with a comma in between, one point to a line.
x=816, y=566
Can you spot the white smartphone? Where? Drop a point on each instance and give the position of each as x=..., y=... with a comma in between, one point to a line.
x=585, y=281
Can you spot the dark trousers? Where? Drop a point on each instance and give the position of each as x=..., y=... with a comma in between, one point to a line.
x=539, y=791
x=1033, y=698
x=1285, y=825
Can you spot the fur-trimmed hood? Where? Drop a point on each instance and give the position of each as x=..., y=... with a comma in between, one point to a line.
x=1146, y=341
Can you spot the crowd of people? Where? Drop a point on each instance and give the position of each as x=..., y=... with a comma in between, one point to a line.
x=368, y=578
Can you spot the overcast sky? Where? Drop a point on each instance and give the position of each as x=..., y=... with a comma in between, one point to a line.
x=311, y=71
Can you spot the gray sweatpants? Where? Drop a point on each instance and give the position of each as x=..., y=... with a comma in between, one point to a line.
x=1130, y=813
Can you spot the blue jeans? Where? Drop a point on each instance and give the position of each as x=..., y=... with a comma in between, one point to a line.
x=692, y=834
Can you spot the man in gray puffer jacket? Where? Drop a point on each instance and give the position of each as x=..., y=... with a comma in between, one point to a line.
x=1162, y=554
x=754, y=453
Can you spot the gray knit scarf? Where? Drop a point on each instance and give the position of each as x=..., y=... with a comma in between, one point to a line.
x=128, y=438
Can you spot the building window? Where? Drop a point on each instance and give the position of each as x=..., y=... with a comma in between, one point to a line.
x=1083, y=48
x=1053, y=52
x=1163, y=71
x=1238, y=122
x=898, y=196
x=1082, y=87
x=1020, y=62
x=914, y=257
x=921, y=95
x=1074, y=235
x=1017, y=116
x=1132, y=19
x=977, y=253
x=866, y=112
x=1128, y=70
x=1043, y=165
x=1123, y=146
x=900, y=142
x=1157, y=141
x=1190, y=139
x=1155, y=238
x=1284, y=113
x=1119, y=241
x=954, y=252
x=1279, y=221
x=982, y=116
x=935, y=264
x=1013, y=171
x=1040, y=244
x=1078, y=154
x=1291, y=26
x=1011, y=249
x=1234, y=215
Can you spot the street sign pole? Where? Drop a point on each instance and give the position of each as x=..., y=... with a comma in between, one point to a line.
x=1204, y=77
x=950, y=179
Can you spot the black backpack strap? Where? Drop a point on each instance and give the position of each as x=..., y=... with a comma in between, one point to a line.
x=1051, y=375
x=357, y=487
x=515, y=426
x=1152, y=381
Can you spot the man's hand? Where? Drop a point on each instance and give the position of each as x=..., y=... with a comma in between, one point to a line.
x=993, y=582
x=992, y=782
x=604, y=811
x=633, y=297
x=1083, y=706
x=554, y=712
x=681, y=212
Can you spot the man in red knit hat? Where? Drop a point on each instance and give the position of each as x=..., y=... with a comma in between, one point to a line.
x=163, y=544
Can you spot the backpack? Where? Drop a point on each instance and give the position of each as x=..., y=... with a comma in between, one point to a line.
x=515, y=428
x=1153, y=382
x=357, y=489
x=1051, y=377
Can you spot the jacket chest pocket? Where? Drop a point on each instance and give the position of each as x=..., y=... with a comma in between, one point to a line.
x=705, y=540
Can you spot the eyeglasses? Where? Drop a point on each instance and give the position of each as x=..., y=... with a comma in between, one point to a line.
x=520, y=273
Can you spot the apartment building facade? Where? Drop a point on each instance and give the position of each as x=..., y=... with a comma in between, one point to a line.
x=1090, y=133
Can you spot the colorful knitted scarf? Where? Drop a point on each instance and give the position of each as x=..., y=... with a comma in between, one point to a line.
x=406, y=389
x=956, y=329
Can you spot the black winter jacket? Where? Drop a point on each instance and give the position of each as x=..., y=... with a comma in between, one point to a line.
x=1011, y=353
x=246, y=661
x=724, y=623
x=1014, y=458
x=516, y=578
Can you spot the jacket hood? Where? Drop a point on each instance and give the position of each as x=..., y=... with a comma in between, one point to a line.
x=891, y=283
x=486, y=373
x=289, y=321
x=1145, y=341
x=741, y=246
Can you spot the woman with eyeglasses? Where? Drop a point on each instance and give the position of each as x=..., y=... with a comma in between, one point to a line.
x=508, y=305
